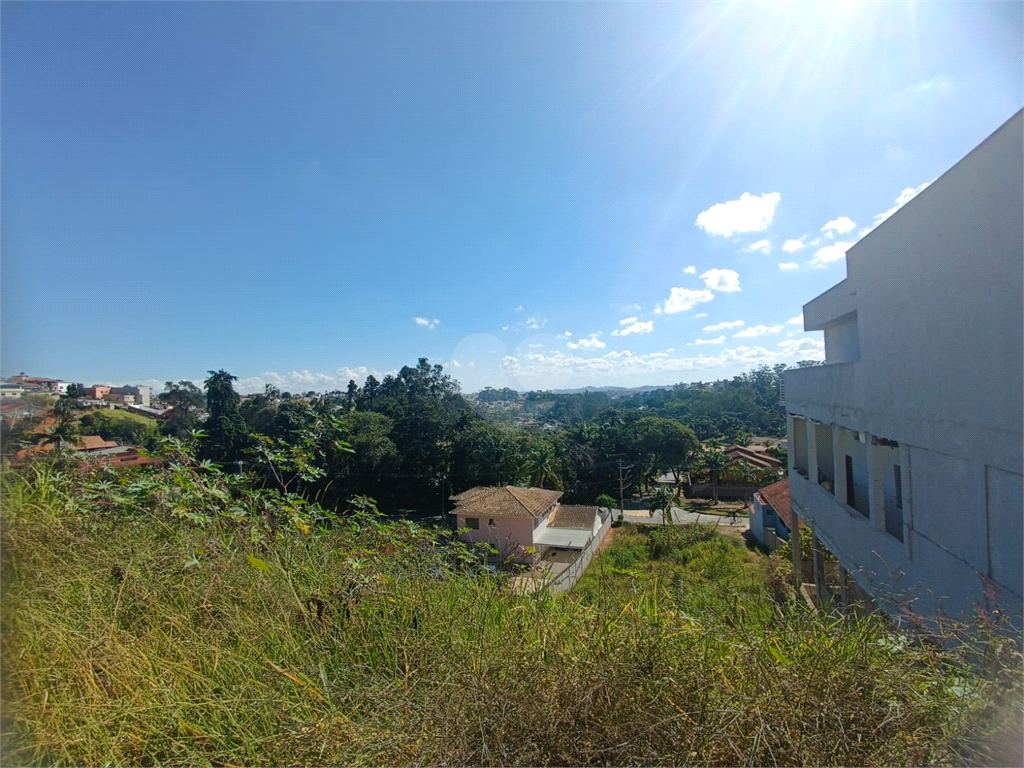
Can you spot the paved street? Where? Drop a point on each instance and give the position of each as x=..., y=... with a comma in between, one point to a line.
x=680, y=516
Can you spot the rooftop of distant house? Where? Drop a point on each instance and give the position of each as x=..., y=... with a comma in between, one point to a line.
x=507, y=501
x=776, y=495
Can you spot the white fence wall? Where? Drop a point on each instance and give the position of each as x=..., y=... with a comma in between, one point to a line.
x=567, y=579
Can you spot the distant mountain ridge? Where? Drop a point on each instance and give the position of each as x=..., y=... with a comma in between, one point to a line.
x=615, y=391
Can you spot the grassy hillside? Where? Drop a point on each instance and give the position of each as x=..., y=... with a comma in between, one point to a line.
x=174, y=617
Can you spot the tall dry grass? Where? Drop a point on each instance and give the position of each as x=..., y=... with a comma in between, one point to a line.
x=140, y=640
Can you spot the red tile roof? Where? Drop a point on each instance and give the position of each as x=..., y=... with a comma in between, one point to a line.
x=571, y=516
x=509, y=501
x=95, y=442
x=777, y=496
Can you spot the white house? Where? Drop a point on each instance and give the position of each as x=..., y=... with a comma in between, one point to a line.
x=770, y=519
x=523, y=522
x=906, y=446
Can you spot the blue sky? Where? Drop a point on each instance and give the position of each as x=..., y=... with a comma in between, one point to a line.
x=303, y=193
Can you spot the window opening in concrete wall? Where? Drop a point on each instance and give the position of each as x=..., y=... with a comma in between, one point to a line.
x=850, y=496
x=823, y=448
x=894, y=511
x=799, y=438
x=473, y=522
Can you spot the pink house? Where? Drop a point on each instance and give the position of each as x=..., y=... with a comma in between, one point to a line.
x=523, y=522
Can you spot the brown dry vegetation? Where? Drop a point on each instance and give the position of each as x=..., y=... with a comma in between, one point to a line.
x=141, y=638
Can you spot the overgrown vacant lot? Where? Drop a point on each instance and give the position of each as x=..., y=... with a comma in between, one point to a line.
x=172, y=617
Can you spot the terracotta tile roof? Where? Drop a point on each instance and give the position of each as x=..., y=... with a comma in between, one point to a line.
x=777, y=495
x=570, y=516
x=509, y=501
x=758, y=458
x=94, y=442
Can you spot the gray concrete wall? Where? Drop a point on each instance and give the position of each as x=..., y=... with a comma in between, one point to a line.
x=938, y=369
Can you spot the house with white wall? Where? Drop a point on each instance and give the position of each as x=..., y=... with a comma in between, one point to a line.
x=905, y=448
x=523, y=522
x=770, y=518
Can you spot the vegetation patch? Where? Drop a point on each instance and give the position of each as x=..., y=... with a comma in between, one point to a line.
x=174, y=616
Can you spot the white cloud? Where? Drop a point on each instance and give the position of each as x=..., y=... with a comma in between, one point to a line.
x=724, y=326
x=761, y=245
x=702, y=314
x=533, y=370
x=863, y=231
x=627, y=321
x=793, y=245
x=798, y=320
x=719, y=340
x=840, y=226
x=567, y=334
x=592, y=342
x=519, y=308
x=813, y=349
x=750, y=213
x=725, y=280
x=631, y=307
x=635, y=328
x=534, y=324
x=756, y=330
x=683, y=300
x=456, y=364
x=302, y=381
x=905, y=197
x=690, y=270
x=830, y=253
x=425, y=323
x=788, y=265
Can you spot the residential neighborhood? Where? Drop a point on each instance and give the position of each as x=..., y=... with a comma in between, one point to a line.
x=512, y=384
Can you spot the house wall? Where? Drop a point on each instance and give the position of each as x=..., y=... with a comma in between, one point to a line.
x=507, y=534
x=756, y=522
x=842, y=340
x=937, y=290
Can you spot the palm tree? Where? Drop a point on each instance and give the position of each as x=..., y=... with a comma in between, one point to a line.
x=714, y=461
x=543, y=466
x=662, y=499
x=63, y=433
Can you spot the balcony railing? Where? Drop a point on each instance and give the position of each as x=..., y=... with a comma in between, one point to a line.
x=838, y=301
x=828, y=386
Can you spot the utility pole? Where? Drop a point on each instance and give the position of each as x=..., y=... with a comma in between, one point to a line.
x=622, y=503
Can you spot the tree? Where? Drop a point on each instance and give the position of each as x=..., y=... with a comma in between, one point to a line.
x=64, y=408
x=186, y=400
x=542, y=464
x=662, y=500
x=714, y=462
x=63, y=433
x=76, y=391
x=227, y=435
x=351, y=395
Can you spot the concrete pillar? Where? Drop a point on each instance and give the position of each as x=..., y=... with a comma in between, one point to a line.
x=812, y=452
x=908, y=502
x=819, y=574
x=876, y=484
x=839, y=464
x=794, y=545
x=790, y=443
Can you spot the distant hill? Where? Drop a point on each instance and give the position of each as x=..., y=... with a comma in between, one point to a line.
x=612, y=391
